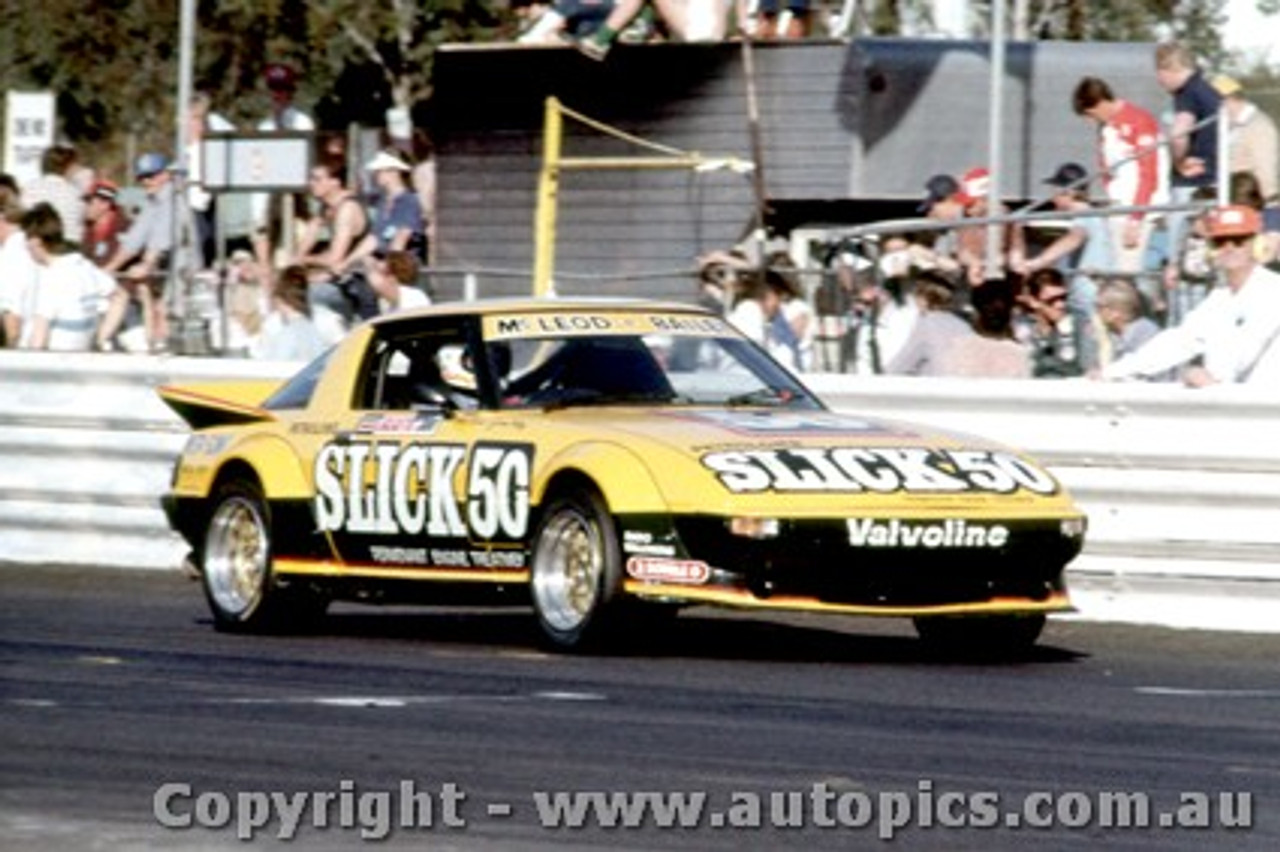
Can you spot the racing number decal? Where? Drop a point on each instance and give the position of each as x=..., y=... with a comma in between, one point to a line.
x=393, y=489
x=1001, y=472
x=498, y=492
x=879, y=469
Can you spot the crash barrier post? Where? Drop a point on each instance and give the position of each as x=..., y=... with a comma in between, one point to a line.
x=1179, y=485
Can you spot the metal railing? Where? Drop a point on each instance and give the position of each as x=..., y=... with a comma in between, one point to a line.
x=1177, y=483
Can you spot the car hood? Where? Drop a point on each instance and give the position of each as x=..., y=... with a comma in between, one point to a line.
x=819, y=462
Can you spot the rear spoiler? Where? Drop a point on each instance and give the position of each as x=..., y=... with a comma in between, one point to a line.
x=210, y=404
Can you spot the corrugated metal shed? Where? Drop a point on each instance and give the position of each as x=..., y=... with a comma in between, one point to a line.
x=841, y=121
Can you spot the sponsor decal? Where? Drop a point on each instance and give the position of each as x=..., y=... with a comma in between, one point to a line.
x=879, y=470
x=951, y=533
x=579, y=324
x=206, y=445
x=657, y=570
x=641, y=541
x=313, y=428
x=393, y=488
x=417, y=422
x=399, y=555
x=497, y=558
x=780, y=422
x=446, y=558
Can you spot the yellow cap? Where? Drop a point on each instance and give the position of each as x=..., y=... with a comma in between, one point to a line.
x=1226, y=86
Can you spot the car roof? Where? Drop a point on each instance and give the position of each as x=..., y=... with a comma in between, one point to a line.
x=482, y=307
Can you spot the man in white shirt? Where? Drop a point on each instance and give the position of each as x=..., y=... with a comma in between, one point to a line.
x=1234, y=328
x=17, y=269
x=71, y=292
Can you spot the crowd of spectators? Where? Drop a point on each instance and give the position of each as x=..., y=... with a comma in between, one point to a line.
x=1138, y=293
x=82, y=268
x=1145, y=292
x=593, y=26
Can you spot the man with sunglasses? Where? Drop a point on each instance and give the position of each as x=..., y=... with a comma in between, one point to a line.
x=1227, y=336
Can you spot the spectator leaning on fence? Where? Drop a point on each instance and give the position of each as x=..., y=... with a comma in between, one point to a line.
x=105, y=222
x=1133, y=162
x=17, y=269
x=1193, y=143
x=975, y=188
x=1234, y=329
x=1084, y=250
x=143, y=257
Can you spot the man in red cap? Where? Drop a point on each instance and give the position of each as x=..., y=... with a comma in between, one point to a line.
x=282, y=85
x=975, y=187
x=105, y=222
x=1235, y=331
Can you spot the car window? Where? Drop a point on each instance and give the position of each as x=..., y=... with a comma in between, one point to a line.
x=620, y=369
x=296, y=393
x=417, y=364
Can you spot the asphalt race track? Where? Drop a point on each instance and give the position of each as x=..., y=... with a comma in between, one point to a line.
x=114, y=685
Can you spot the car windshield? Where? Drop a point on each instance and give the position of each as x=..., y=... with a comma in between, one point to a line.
x=556, y=371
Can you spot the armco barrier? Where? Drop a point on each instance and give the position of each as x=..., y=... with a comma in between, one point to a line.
x=1179, y=485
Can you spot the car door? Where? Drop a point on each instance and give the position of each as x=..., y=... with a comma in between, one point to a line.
x=416, y=481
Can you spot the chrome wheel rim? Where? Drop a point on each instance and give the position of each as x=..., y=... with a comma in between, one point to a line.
x=235, y=563
x=567, y=567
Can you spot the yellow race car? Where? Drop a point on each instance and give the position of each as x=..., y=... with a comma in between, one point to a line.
x=605, y=461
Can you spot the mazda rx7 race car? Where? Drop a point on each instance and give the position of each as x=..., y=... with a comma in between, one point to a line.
x=604, y=461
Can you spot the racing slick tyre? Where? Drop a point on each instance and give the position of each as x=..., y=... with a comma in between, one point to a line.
x=980, y=635
x=576, y=570
x=241, y=588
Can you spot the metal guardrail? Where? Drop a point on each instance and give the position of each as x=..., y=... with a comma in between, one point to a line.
x=1177, y=483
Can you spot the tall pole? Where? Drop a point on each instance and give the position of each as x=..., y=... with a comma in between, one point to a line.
x=176, y=301
x=996, y=100
x=544, y=225
x=757, y=148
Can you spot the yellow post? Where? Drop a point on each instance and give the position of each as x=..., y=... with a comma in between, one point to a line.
x=544, y=225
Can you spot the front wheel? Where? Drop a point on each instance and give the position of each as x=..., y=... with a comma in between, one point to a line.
x=575, y=574
x=985, y=635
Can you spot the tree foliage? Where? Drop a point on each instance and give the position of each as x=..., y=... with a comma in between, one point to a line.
x=114, y=63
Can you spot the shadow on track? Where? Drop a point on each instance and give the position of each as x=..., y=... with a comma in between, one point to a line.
x=695, y=634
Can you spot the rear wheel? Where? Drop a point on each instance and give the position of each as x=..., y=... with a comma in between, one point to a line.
x=242, y=591
x=985, y=635
x=575, y=575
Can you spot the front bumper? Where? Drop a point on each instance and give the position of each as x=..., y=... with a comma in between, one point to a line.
x=899, y=567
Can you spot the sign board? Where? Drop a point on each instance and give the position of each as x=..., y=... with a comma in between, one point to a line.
x=28, y=131
x=273, y=162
